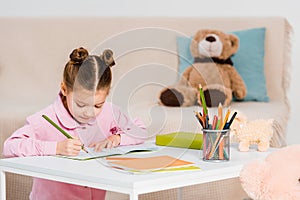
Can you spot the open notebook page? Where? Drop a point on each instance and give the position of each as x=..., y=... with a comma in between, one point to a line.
x=120, y=150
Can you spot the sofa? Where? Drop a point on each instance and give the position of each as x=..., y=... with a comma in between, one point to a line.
x=34, y=51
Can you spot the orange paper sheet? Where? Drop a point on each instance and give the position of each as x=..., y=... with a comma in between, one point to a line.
x=151, y=163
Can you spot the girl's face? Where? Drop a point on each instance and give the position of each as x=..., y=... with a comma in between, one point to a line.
x=85, y=105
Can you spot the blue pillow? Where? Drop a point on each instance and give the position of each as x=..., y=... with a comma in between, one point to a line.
x=248, y=61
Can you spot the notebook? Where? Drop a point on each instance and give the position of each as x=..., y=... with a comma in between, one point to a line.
x=180, y=139
x=120, y=150
x=148, y=164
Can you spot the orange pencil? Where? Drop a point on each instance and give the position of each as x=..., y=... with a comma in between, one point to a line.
x=219, y=138
x=220, y=115
x=199, y=117
x=221, y=145
x=221, y=150
x=215, y=121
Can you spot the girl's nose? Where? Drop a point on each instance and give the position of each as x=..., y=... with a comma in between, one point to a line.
x=89, y=112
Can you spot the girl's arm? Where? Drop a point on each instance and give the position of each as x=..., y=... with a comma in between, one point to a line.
x=131, y=131
x=134, y=133
x=25, y=142
x=119, y=129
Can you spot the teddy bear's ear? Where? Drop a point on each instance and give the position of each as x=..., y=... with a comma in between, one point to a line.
x=234, y=43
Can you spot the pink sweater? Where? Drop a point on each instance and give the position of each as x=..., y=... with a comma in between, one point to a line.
x=39, y=138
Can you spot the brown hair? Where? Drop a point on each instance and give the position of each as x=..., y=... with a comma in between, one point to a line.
x=91, y=72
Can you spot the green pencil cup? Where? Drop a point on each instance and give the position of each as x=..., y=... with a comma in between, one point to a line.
x=216, y=145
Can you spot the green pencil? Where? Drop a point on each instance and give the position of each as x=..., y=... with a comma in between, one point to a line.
x=203, y=100
x=61, y=130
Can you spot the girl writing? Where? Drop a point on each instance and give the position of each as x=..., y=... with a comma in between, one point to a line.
x=81, y=110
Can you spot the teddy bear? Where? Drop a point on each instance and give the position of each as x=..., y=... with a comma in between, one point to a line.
x=212, y=68
x=275, y=177
x=246, y=133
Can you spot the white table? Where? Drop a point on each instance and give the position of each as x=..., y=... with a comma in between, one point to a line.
x=93, y=174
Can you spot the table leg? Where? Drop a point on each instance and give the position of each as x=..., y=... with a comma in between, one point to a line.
x=2, y=186
x=179, y=193
x=134, y=196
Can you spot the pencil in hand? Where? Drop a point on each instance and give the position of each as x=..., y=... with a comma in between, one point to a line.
x=61, y=130
x=84, y=149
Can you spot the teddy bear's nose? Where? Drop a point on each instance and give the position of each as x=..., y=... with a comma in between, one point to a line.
x=210, y=39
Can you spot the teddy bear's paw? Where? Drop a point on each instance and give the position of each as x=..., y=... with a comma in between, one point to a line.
x=171, y=97
x=240, y=94
x=213, y=97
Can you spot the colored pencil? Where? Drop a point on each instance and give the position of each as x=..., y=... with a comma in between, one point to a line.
x=220, y=115
x=205, y=111
x=228, y=124
x=61, y=130
x=226, y=118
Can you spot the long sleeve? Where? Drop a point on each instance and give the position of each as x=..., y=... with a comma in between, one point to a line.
x=25, y=142
x=131, y=131
x=134, y=133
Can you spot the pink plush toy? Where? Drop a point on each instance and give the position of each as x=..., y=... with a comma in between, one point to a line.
x=275, y=178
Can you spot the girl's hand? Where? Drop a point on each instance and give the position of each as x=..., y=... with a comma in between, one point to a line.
x=110, y=142
x=69, y=147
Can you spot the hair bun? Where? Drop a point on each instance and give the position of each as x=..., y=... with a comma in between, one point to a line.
x=78, y=55
x=107, y=57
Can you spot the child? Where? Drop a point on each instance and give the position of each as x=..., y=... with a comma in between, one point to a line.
x=81, y=110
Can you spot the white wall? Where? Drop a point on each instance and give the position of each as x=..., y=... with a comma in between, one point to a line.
x=286, y=8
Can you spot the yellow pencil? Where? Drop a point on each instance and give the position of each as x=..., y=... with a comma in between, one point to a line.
x=226, y=118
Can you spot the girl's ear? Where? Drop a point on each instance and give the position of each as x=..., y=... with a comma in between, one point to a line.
x=63, y=89
x=108, y=91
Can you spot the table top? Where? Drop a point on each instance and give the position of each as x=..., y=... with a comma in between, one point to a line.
x=94, y=173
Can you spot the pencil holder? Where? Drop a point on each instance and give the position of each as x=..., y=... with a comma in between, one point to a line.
x=216, y=145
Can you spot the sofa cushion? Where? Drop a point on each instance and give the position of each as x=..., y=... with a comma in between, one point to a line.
x=162, y=120
x=248, y=61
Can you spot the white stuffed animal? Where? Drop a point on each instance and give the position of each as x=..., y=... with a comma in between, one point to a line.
x=257, y=132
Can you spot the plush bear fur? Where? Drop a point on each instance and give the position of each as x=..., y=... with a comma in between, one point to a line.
x=274, y=178
x=213, y=69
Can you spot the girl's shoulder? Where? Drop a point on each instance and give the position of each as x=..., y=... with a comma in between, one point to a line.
x=53, y=111
x=37, y=118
